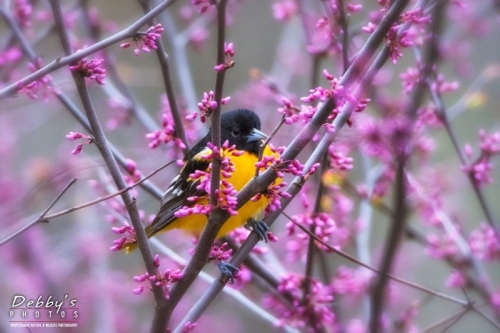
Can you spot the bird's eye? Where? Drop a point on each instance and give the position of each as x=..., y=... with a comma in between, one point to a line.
x=235, y=132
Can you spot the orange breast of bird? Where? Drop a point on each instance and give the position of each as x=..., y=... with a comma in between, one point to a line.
x=244, y=171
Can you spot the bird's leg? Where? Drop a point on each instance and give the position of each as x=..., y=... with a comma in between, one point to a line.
x=227, y=270
x=260, y=228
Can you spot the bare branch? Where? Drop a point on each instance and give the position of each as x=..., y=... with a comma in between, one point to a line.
x=42, y=217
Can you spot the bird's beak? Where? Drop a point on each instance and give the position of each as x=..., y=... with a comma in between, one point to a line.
x=256, y=135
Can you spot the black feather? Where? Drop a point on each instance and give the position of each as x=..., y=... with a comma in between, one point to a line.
x=236, y=125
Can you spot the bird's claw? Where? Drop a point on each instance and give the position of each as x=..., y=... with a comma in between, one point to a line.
x=228, y=270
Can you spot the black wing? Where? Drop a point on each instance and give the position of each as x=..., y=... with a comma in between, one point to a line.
x=176, y=195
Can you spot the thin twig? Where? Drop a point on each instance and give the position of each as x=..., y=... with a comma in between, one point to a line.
x=443, y=115
x=41, y=217
x=109, y=196
x=373, y=269
x=164, y=61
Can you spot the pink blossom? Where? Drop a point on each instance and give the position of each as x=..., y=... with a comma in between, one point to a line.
x=411, y=78
x=198, y=37
x=226, y=195
x=23, y=12
x=416, y=16
x=145, y=41
x=456, y=280
x=220, y=253
x=168, y=134
x=202, y=5
x=43, y=84
x=207, y=105
x=481, y=168
x=90, y=69
x=284, y=10
x=72, y=136
x=441, y=86
x=316, y=303
x=441, y=246
x=354, y=8
x=352, y=282
x=338, y=160
x=395, y=40
x=163, y=280
x=495, y=300
x=228, y=55
x=189, y=326
x=484, y=243
x=289, y=111
x=123, y=242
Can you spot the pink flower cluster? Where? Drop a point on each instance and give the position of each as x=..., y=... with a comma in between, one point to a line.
x=338, y=160
x=134, y=175
x=167, y=135
x=284, y=10
x=126, y=240
x=72, y=136
x=480, y=169
x=228, y=54
x=145, y=41
x=202, y=5
x=220, y=253
x=443, y=246
x=45, y=83
x=90, y=69
x=226, y=195
x=207, y=106
x=337, y=91
x=164, y=280
x=484, y=243
x=395, y=38
x=23, y=12
x=290, y=111
x=313, y=309
x=351, y=282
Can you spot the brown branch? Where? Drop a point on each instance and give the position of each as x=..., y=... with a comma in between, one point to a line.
x=159, y=324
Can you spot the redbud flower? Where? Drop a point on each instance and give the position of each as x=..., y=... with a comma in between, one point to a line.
x=484, y=243
x=23, y=11
x=289, y=111
x=72, y=136
x=284, y=10
x=221, y=253
x=226, y=195
x=207, y=106
x=353, y=8
x=31, y=89
x=456, y=280
x=145, y=41
x=202, y=5
x=164, y=280
x=228, y=55
x=124, y=241
x=189, y=326
x=316, y=303
x=481, y=168
x=90, y=69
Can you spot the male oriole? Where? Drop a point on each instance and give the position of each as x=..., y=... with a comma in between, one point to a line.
x=240, y=128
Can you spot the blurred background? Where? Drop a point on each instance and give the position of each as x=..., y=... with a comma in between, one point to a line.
x=70, y=255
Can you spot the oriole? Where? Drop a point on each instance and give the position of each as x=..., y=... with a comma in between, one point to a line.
x=240, y=128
